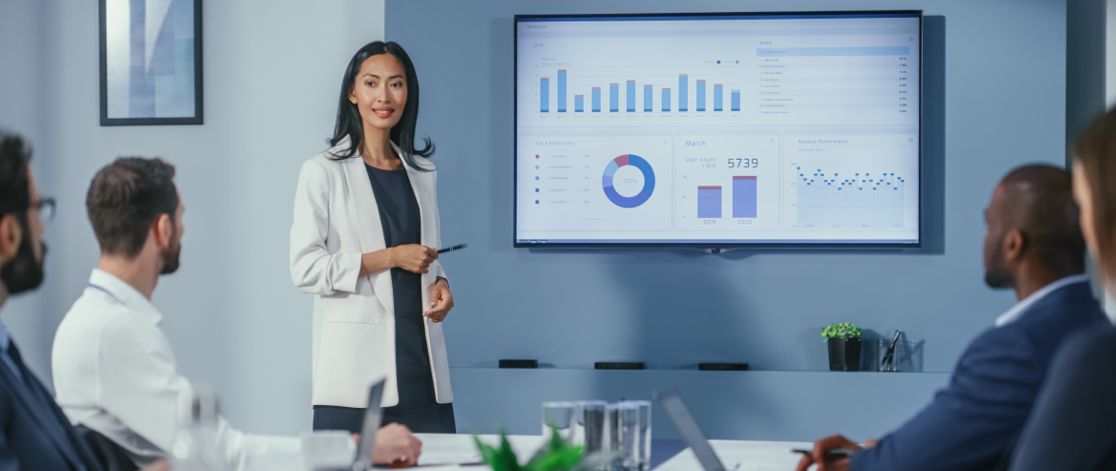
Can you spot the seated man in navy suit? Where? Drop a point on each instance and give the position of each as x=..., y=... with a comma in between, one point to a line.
x=33, y=432
x=1033, y=245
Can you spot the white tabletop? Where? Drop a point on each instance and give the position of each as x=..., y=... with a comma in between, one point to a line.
x=451, y=450
x=448, y=449
x=749, y=455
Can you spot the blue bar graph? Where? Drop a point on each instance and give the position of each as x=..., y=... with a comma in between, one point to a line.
x=631, y=98
x=561, y=90
x=700, y=101
x=544, y=94
x=624, y=96
x=614, y=97
x=709, y=201
x=683, y=90
x=744, y=197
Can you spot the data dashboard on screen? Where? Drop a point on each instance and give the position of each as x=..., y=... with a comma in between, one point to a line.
x=718, y=129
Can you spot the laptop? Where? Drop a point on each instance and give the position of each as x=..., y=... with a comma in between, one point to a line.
x=373, y=419
x=373, y=415
x=690, y=431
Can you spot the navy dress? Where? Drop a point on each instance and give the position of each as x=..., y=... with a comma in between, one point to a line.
x=417, y=409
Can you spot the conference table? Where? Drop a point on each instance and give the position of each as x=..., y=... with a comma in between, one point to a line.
x=457, y=451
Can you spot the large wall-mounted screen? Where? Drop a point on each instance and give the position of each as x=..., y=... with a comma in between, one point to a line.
x=723, y=130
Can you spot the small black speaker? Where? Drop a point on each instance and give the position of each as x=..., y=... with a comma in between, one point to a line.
x=619, y=365
x=511, y=363
x=723, y=366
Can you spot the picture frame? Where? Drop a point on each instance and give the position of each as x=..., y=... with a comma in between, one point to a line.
x=151, y=62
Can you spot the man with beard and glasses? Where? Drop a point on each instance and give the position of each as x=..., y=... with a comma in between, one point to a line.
x=34, y=434
x=1034, y=246
x=114, y=369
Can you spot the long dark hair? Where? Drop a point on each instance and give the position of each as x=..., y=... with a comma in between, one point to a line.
x=1095, y=152
x=348, y=117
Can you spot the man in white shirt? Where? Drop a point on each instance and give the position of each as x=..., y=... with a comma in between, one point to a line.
x=114, y=370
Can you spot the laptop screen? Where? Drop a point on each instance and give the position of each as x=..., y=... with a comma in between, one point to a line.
x=373, y=415
x=689, y=430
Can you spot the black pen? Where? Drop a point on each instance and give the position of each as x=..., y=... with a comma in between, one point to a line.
x=452, y=248
x=830, y=454
x=889, y=356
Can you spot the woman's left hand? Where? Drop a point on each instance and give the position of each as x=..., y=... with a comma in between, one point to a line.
x=441, y=301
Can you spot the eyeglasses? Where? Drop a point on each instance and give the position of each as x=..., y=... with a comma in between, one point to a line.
x=45, y=207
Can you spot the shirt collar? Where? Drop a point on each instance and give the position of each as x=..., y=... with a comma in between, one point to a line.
x=1019, y=309
x=122, y=292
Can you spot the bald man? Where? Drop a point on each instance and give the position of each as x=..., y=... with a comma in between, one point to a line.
x=1034, y=246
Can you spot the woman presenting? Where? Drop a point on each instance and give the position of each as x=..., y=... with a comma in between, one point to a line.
x=364, y=241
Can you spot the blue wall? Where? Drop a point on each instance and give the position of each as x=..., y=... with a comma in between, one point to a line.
x=237, y=175
x=995, y=82
x=20, y=95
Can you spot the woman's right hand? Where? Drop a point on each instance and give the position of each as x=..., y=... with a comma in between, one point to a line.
x=396, y=446
x=414, y=258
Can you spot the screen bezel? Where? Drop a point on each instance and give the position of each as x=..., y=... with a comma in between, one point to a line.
x=806, y=244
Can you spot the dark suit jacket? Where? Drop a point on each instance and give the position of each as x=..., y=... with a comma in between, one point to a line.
x=1072, y=426
x=34, y=433
x=972, y=422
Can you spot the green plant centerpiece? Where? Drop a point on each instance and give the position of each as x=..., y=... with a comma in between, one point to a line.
x=555, y=455
x=843, y=339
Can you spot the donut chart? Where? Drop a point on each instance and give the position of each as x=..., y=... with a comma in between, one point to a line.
x=648, y=181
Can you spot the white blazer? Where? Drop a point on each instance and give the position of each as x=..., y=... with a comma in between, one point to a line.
x=336, y=219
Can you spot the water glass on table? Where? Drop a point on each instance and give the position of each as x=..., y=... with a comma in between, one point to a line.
x=624, y=426
x=643, y=434
x=591, y=430
x=558, y=416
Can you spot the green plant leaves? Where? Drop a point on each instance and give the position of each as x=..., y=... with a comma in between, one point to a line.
x=841, y=330
x=500, y=459
x=555, y=455
x=555, y=461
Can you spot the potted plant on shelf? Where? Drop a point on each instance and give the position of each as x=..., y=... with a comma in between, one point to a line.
x=844, y=346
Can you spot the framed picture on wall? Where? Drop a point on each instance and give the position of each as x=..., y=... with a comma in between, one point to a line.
x=151, y=62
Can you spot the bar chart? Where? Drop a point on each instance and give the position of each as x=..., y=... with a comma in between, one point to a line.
x=709, y=201
x=744, y=196
x=744, y=200
x=631, y=96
